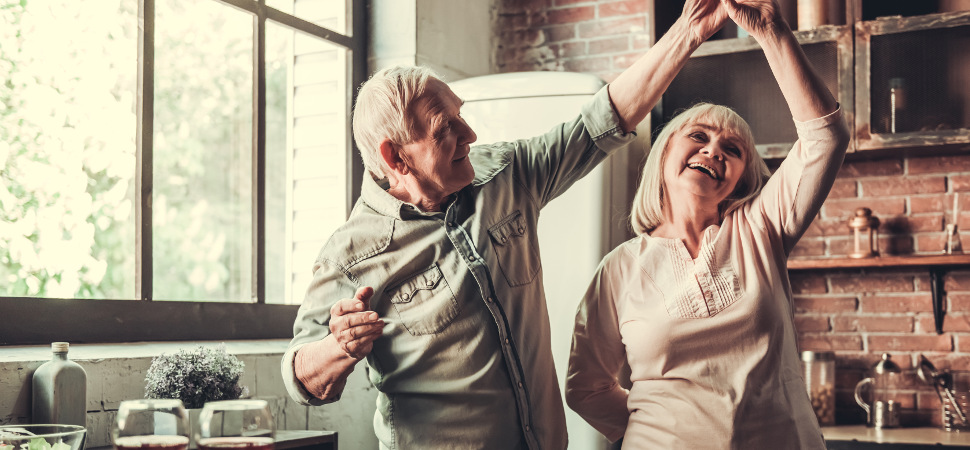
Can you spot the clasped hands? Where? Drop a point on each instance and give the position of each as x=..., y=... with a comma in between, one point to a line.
x=703, y=18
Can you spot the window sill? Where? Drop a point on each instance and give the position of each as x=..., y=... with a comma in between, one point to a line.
x=89, y=352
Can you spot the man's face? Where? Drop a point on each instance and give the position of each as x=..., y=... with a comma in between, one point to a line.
x=439, y=158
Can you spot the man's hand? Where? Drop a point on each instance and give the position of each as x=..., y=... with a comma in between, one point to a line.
x=354, y=326
x=703, y=18
x=757, y=17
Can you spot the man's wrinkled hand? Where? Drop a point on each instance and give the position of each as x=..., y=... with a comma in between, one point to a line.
x=354, y=326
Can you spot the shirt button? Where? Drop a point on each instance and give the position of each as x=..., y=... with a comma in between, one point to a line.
x=430, y=283
x=488, y=299
x=528, y=428
x=520, y=385
x=451, y=224
x=506, y=340
x=405, y=296
x=471, y=258
x=521, y=230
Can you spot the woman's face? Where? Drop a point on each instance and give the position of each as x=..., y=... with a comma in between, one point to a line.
x=703, y=160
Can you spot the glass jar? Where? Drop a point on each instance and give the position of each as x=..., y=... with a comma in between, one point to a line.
x=956, y=411
x=819, y=369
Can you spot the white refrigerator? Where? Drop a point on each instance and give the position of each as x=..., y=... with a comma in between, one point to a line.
x=578, y=228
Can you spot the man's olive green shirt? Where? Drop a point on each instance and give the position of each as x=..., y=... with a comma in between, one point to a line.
x=465, y=359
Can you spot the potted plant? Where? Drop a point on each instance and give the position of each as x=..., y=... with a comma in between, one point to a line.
x=195, y=376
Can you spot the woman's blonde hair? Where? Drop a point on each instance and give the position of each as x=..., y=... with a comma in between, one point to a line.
x=382, y=111
x=648, y=204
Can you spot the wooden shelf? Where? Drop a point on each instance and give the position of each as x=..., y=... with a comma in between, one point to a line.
x=907, y=261
x=936, y=265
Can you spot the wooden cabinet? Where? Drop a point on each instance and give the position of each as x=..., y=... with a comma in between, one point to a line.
x=913, y=81
x=902, y=77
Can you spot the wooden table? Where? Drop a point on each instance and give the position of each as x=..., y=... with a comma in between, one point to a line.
x=861, y=437
x=291, y=440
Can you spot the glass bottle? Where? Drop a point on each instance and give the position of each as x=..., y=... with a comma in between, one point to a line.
x=59, y=390
x=897, y=106
x=820, y=381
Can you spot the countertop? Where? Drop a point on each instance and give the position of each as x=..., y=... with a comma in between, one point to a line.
x=861, y=437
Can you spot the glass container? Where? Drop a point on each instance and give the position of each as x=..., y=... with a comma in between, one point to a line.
x=41, y=436
x=958, y=384
x=882, y=409
x=819, y=370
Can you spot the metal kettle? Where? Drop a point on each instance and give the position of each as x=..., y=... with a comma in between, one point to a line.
x=883, y=410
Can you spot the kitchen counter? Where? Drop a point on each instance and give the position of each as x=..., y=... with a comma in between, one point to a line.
x=861, y=437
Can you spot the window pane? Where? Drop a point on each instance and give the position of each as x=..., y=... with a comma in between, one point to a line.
x=307, y=139
x=202, y=198
x=67, y=148
x=330, y=14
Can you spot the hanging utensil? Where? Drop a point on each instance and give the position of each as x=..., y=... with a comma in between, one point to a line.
x=928, y=373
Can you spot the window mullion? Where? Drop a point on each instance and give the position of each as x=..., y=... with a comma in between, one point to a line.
x=259, y=154
x=358, y=74
x=144, y=151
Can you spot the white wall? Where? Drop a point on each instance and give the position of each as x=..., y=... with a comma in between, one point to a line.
x=453, y=37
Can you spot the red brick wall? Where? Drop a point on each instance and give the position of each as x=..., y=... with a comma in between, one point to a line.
x=597, y=37
x=861, y=314
x=858, y=313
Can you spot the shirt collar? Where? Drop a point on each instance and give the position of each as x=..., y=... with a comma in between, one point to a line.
x=374, y=194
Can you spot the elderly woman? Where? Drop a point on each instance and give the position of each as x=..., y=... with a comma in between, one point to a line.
x=699, y=303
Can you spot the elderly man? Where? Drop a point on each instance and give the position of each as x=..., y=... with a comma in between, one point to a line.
x=434, y=279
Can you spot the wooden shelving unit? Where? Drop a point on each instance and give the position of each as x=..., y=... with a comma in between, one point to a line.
x=889, y=262
x=937, y=265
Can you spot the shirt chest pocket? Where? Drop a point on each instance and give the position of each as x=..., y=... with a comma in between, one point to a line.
x=424, y=303
x=515, y=250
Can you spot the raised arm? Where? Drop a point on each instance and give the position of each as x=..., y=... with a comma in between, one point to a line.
x=806, y=94
x=635, y=91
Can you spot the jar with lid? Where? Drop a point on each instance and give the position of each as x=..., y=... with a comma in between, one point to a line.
x=819, y=369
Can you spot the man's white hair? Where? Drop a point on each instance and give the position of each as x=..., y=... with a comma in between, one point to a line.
x=383, y=111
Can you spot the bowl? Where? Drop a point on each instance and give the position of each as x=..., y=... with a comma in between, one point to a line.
x=41, y=437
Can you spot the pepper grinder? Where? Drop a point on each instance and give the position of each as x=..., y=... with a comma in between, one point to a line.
x=953, y=244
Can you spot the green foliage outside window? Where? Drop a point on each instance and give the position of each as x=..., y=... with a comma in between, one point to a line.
x=68, y=119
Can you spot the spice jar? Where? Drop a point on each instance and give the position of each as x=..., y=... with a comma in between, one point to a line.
x=819, y=369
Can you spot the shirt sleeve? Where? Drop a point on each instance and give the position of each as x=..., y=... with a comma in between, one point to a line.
x=596, y=357
x=550, y=163
x=313, y=323
x=793, y=195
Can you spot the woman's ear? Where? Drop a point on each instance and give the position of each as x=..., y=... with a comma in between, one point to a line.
x=391, y=154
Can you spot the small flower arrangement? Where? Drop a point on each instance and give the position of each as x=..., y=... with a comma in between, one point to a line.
x=195, y=376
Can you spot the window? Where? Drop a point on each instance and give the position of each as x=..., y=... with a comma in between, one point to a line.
x=172, y=180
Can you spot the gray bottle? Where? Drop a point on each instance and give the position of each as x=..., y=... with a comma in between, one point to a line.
x=59, y=390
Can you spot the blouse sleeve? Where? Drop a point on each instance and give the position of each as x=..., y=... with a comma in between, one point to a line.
x=793, y=196
x=595, y=360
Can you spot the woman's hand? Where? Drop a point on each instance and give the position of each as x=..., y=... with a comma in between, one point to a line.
x=702, y=18
x=760, y=18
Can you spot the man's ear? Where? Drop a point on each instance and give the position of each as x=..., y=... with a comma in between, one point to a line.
x=391, y=154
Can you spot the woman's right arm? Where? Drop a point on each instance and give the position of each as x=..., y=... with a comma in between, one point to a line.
x=806, y=94
x=595, y=360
